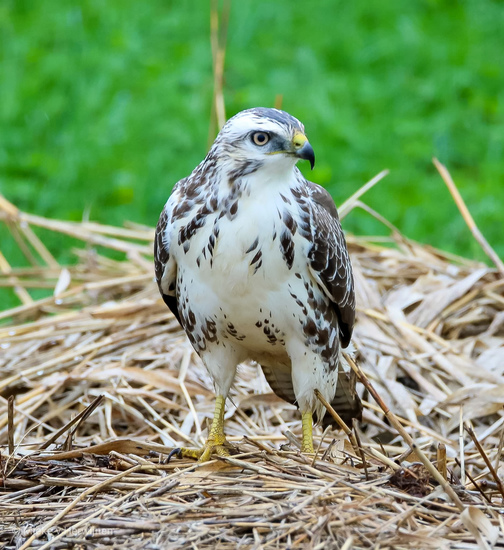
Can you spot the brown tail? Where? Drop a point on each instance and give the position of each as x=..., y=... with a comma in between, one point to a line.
x=346, y=402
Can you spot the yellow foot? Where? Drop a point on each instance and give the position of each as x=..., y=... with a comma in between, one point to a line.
x=220, y=448
x=216, y=442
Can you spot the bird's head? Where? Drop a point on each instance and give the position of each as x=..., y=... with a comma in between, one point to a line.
x=262, y=137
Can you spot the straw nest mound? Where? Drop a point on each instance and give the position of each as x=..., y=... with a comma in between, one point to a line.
x=99, y=382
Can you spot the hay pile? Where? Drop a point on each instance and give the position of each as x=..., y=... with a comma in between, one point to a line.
x=98, y=382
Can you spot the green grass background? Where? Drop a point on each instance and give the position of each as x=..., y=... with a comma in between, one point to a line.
x=105, y=105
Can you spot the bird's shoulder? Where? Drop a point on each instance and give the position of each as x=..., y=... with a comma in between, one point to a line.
x=322, y=198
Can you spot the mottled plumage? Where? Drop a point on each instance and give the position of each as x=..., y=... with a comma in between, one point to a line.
x=252, y=260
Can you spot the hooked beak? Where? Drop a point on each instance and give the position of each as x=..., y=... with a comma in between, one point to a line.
x=303, y=149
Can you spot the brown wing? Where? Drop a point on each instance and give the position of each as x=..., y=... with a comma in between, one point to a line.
x=162, y=260
x=330, y=261
x=331, y=266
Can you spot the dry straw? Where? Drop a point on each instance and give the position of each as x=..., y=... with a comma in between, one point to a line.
x=99, y=382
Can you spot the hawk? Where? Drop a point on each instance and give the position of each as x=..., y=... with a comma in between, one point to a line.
x=251, y=259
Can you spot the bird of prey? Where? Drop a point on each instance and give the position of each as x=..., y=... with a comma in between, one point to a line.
x=251, y=259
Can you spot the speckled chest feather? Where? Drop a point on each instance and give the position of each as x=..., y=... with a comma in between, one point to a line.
x=243, y=275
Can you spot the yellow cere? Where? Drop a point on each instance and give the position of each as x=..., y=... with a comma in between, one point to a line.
x=299, y=140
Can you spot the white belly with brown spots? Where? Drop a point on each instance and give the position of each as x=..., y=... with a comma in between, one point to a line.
x=245, y=291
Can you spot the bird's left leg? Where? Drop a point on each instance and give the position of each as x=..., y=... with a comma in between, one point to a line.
x=309, y=373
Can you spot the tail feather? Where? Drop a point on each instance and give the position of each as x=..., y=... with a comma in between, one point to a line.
x=346, y=402
x=280, y=381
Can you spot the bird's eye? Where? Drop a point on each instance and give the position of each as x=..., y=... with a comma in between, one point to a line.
x=260, y=138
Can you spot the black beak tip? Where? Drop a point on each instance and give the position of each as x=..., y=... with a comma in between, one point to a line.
x=307, y=153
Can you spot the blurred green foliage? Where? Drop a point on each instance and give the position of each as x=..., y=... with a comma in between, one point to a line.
x=105, y=105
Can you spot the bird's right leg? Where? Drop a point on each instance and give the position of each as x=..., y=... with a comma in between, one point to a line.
x=221, y=363
x=216, y=442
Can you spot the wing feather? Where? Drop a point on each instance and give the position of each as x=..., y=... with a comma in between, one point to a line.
x=165, y=267
x=331, y=266
x=329, y=259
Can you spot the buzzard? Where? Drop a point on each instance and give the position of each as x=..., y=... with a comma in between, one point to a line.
x=251, y=259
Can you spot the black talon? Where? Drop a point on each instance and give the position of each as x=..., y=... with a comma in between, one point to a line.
x=177, y=451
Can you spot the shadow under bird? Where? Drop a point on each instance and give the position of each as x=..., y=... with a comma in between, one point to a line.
x=251, y=259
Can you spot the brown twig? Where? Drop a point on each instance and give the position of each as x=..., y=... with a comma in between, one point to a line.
x=343, y=426
x=441, y=459
x=76, y=420
x=345, y=208
x=485, y=458
x=10, y=428
x=361, y=449
x=14, y=282
x=405, y=435
x=499, y=449
x=459, y=201
x=474, y=482
x=219, y=23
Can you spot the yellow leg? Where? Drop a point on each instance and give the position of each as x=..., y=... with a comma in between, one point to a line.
x=307, y=424
x=216, y=441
